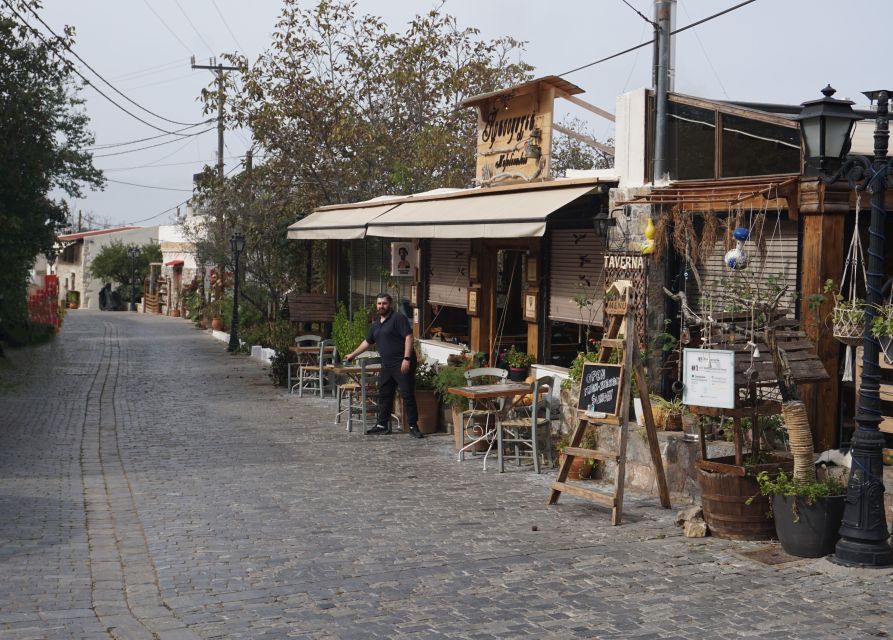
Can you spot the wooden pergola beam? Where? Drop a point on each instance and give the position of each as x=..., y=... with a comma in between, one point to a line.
x=592, y=142
x=586, y=105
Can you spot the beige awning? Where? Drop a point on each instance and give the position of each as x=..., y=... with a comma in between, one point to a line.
x=500, y=215
x=336, y=224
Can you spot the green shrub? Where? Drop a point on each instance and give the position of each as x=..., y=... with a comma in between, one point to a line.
x=26, y=333
x=450, y=376
x=348, y=333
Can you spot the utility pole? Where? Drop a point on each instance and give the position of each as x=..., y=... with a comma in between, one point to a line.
x=217, y=68
x=663, y=13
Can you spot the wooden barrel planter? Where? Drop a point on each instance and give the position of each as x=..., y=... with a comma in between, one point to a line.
x=725, y=490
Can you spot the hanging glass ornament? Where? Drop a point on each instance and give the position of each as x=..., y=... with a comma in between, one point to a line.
x=736, y=259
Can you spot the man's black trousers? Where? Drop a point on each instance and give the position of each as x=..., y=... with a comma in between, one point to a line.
x=388, y=380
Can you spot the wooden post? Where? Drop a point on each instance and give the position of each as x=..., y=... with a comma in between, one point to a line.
x=823, y=214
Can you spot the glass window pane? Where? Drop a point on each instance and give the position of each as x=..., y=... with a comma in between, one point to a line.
x=753, y=148
x=691, y=143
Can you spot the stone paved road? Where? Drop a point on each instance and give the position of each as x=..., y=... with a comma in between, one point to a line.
x=152, y=486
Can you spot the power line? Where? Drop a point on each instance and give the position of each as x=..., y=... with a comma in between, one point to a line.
x=200, y=37
x=166, y=164
x=706, y=56
x=158, y=82
x=151, y=146
x=160, y=135
x=171, y=31
x=70, y=66
x=650, y=42
x=148, y=71
x=225, y=24
x=147, y=186
x=99, y=75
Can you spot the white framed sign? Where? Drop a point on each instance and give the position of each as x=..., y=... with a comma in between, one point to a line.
x=708, y=378
x=403, y=259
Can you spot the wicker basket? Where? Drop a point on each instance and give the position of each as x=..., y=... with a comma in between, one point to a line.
x=848, y=332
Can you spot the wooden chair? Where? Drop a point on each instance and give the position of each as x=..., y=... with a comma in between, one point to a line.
x=362, y=401
x=308, y=340
x=523, y=430
x=350, y=389
x=486, y=410
x=312, y=376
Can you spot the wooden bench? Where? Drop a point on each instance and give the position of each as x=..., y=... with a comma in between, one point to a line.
x=310, y=307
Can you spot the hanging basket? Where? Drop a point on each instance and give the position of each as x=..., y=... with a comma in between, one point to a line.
x=886, y=343
x=848, y=322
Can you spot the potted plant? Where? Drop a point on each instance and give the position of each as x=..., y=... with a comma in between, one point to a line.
x=882, y=329
x=847, y=316
x=426, y=397
x=71, y=299
x=348, y=333
x=518, y=362
x=668, y=413
x=807, y=515
x=452, y=376
x=581, y=468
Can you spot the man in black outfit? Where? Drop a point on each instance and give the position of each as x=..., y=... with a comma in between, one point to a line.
x=392, y=335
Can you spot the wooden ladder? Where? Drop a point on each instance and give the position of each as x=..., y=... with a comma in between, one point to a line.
x=617, y=312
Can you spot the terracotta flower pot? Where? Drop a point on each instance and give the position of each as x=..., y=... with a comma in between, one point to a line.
x=217, y=324
x=175, y=313
x=580, y=469
x=429, y=410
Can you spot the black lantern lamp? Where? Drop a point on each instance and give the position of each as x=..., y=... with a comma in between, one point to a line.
x=237, y=244
x=134, y=253
x=602, y=222
x=826, y=126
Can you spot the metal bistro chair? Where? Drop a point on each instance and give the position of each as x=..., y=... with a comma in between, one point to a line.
x=487, y=410
x=349, y=389
x=367, y=395
x=313, y=376
x=294, y=368
x=523, y=430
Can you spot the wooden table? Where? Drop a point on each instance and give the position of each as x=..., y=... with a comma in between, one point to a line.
x=488, y=392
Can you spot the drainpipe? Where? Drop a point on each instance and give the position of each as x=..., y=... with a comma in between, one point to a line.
x=663, y=16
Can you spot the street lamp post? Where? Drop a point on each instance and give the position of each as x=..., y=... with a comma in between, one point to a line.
x=827, y=127
x=134, y=253
x=237, y=244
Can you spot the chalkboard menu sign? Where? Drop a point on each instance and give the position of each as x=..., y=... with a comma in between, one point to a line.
x=600, y=388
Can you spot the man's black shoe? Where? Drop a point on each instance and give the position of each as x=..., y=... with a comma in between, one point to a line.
x=379, y=430
x=415, y=433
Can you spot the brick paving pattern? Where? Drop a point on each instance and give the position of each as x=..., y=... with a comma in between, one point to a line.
x=153, y=486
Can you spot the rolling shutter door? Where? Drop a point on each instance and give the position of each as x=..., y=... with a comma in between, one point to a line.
x=448, y=272
x=576, y=266
x=780, y=266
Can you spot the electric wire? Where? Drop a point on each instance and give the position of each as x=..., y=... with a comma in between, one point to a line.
x=706, y=56
x=225, y=24
x=95, y=72
x=166, y=164
x=151, y=146
x=148, y=71
x=129, y=142
x=650, y=42
x=200, y=37
x=146, y=186
x=166, y=26
x=73, y=69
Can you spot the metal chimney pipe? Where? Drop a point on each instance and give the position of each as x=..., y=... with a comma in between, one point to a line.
x=663, y=16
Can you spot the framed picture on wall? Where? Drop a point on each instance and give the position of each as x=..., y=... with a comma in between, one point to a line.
x=474, y=295
x=473, y=267
x=415, y=315
x=403, y=259
x=530, y=306
x=532, y=276
x=414, y=294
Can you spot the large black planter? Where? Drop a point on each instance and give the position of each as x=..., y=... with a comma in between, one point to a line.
x=817, y=530
x=517, y=374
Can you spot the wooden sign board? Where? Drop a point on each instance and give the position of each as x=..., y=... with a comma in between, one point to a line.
x=600, y=388
x=514, y=137
x=633, y=268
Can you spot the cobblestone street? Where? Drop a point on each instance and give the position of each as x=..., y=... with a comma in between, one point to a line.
x=153, y=486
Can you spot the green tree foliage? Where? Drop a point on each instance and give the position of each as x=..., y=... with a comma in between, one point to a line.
x=345, y=109
x=43, y=134
x=112, y=263
x=572, y=153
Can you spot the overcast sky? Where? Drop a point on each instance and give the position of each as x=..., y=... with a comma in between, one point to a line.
x=767, y=51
